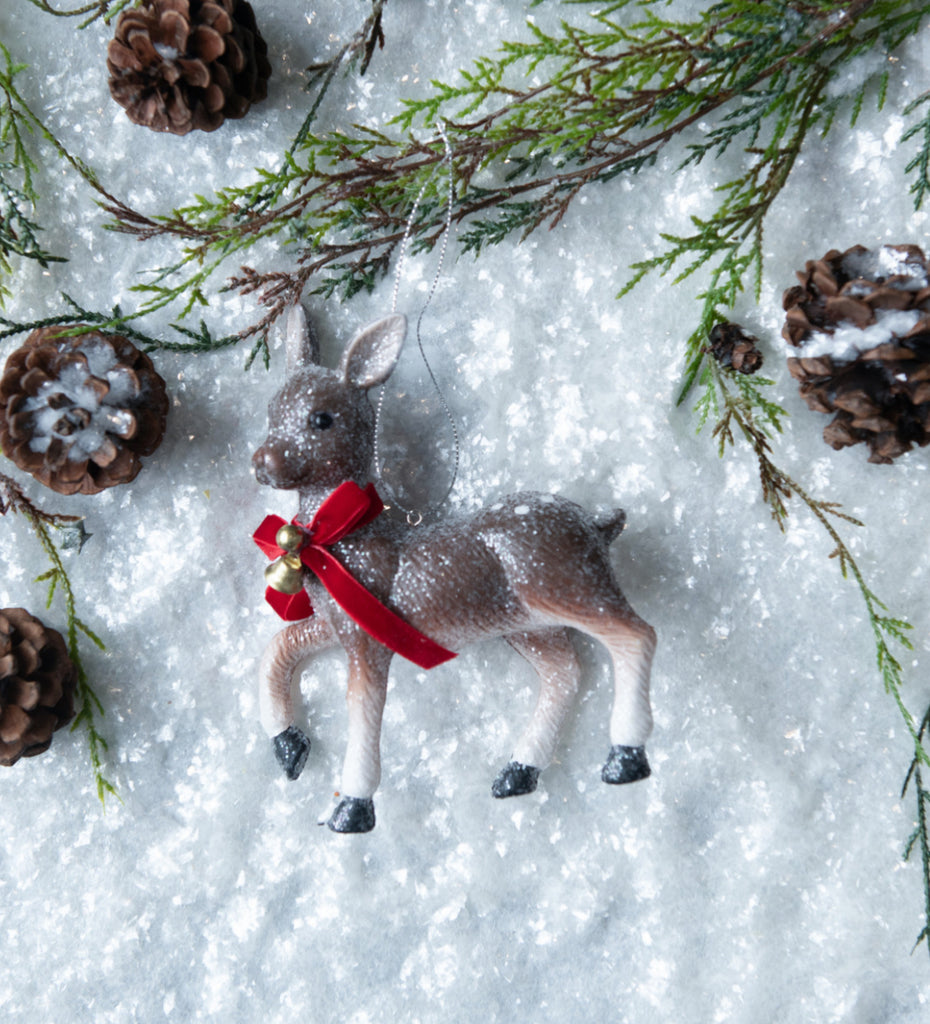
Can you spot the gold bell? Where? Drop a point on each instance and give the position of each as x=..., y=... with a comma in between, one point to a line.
x=289, y=538
x=285, y=573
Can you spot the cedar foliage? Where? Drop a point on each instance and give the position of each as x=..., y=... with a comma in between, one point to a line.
x=57, y=580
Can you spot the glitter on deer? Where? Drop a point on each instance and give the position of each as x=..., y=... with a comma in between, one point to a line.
x=529, y=569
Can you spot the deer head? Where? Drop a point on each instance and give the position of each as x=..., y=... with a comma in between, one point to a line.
x=321, y=423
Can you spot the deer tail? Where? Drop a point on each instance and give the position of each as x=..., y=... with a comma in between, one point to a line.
x=611, y=524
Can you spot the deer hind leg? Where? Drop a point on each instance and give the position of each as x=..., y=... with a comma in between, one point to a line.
x=631, y=649
x=631, y=643
x=278, y=679
x=361, y=773
x=551, y=653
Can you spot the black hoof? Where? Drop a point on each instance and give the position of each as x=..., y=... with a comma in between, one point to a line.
x=515, y=779
x=625, y=764
x=354, y=814
x=291, y=748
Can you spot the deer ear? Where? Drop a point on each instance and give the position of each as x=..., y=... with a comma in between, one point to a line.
x=299, y=340
x=372, y=355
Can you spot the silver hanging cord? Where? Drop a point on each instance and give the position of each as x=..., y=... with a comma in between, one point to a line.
x=414, y=517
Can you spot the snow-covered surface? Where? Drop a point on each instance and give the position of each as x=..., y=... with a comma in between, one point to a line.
x=757, y=876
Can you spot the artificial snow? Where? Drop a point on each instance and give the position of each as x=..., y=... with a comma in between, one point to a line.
x=846, y=341
x=907, y=270
x=98, y=385
x=757, y=876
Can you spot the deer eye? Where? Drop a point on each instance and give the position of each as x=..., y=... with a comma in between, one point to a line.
x=320, y=421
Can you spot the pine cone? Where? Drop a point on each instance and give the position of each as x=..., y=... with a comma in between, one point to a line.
x=861, y=323
x=37, y=681
x=176, y=65
x=79, y=412
x=730, y=345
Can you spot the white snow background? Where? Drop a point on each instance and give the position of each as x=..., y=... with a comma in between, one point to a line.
x=756, y=876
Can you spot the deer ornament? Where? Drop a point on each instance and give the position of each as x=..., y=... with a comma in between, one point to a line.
x=529, y=569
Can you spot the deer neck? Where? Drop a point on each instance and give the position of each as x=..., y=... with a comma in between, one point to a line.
x=388, y=529
x=311, y=498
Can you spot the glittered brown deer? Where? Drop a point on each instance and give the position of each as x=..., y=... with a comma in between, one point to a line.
x=529, y=568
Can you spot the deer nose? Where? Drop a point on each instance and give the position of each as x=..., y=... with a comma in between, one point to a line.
x=267, y=464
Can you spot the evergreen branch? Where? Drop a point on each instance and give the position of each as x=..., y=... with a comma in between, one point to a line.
x=728, y=246
x=611, y=99
x=105, y=9
x=83, y=321
x=777, y=486
x=731, y=239
x=18, y=195
x=12, y=499
x=737, y=405
x=357, y=54
x=920, y=837
x=22, y=114
x=18, y=231
x=920, y=164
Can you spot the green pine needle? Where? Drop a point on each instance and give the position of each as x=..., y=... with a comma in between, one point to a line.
x=736, y=403
x=57, y=580
x=82, y=321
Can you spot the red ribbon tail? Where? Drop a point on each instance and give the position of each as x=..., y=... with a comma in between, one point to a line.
x=291, y=607
x=366, y=610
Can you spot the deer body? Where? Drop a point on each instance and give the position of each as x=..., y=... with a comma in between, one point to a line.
x=528, y=568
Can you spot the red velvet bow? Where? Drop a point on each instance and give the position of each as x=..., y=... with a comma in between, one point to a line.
x=347, y=509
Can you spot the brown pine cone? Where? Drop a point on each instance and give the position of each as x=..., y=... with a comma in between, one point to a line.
x=79, y=412
x=37, y=682
x=860, y=321
x=176, y=65
x=730, y=345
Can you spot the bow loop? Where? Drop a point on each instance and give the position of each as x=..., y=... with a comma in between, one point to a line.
x=347, y=509
x=265, y=536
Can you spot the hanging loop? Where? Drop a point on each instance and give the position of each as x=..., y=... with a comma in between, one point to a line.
x=414, y=516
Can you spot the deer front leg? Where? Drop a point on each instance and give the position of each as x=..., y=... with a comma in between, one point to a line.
x=369, y=662
x=278, y=676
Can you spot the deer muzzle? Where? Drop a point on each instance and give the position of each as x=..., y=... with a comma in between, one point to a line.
x=268, y=465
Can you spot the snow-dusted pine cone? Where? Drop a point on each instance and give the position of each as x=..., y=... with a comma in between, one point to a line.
x=176, y=65
x=860, y=321
x=79, y=412
x=37, y=681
